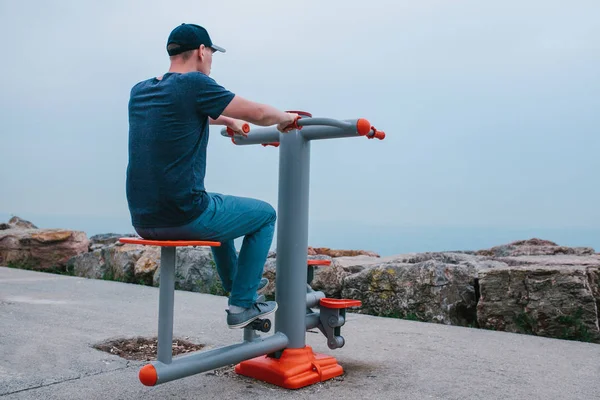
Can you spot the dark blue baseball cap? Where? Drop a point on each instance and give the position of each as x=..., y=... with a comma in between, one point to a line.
x=189, y=37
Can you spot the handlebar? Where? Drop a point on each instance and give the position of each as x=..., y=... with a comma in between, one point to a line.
x=310, y=128
x=363, y=126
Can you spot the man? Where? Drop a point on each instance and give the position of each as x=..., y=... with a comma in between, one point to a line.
x=169, y=119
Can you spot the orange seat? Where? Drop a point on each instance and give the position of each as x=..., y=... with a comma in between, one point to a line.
x=319, y=262
x=168, y=243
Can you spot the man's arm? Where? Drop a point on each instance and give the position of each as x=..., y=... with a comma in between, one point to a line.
x=216, y=101
x=258, y=114
x=222, y=120
x=234, y=124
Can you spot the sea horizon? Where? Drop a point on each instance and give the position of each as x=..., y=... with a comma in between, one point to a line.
x=385, y=240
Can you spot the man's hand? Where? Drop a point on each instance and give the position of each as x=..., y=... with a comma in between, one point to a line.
x=285, y=125
x=236, y=126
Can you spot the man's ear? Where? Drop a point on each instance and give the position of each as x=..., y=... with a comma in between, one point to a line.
x=201, y=51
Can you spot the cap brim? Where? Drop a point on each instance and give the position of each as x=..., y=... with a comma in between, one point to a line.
x=218, y=48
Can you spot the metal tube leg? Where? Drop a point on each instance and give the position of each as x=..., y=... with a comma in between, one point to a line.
x=202, y=361
x=292, y=237
x=165, y=304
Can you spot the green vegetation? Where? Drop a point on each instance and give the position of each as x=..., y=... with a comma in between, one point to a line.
x=400, y=315
x=574, y=328
x=216, y=288
x=55, y=269
x=525, y=323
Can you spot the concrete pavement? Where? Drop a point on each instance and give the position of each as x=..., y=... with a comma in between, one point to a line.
x=48, y=324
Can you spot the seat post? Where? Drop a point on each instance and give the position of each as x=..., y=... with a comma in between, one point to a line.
x=165, y=304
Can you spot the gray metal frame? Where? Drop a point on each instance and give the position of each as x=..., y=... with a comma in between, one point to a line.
x=165, y=304
x=295, y=298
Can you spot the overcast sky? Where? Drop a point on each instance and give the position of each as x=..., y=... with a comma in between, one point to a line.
x=491, y=108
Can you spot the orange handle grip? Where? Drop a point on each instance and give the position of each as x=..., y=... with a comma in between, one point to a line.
x=364, y=128
x=375, y=134
x=378, y=134
x=245, y=129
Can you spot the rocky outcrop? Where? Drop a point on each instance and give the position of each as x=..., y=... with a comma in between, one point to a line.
x=534, y=247
x=18, y=223
x=530, y=286
x=556, y=301
x=534, y=287
x=195, y=269
x=115, y=262
x=541, y=288
x=429, y=290
x=547, y=295
x=23, y=245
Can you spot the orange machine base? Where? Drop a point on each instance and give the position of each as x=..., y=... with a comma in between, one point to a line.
x=295, y=368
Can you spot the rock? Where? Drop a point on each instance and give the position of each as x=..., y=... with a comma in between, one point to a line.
x=533, y=247
x=146, y=266
x=115, y=263
x=593, y=274
x=89, y=265
x=326, y=251
x=106, y=239
x=329, y=279
x=429, y=290
x=40, y=249
x=358, y=263
x=270, y=272
x=195, y=271
x=121, y=260
x=557, y=260
x=313, y=251
x=551, y=300
x=118, y=262
x=445, y=257
x=16, y=222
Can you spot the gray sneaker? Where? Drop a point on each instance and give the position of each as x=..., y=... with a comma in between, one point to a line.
x=258, y=310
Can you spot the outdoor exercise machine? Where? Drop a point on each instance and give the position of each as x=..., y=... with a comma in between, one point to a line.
x=282, y=358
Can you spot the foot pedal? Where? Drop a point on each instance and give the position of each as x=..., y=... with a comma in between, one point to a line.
x=262, y=325
x=339, y=303
x=332, y=317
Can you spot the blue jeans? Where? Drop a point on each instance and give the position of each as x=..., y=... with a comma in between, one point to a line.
x=225, y=219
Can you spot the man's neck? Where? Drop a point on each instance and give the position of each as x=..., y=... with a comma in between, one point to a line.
x=181, y=68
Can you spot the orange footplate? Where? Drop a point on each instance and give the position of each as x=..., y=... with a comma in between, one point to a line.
x=319, y=262
x=295, y=368
x=339, y=303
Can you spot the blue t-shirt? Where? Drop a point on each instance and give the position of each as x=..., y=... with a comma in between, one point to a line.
x=168, y=135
